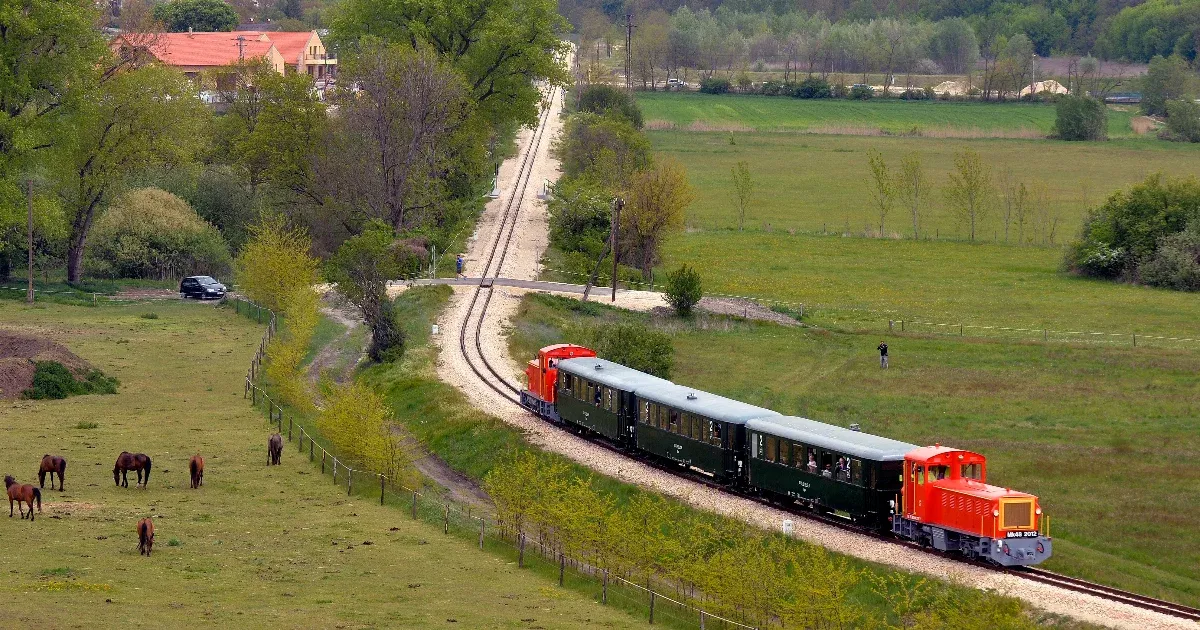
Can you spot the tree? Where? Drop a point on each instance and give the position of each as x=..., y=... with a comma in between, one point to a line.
x=150, y=233
x=502, y=48
x=181, y=16
x=954, y=46
x=653, y=210
x=1183, y=121
x=361, y=269
x=634, y=345
x=361, y=426
x=913, y=189
x=402, y=115
x=606, y=100
x=882, y=190
x=1167, y=79
x=291, y=9
x=684, y=290
x=1080, y=118
x=274, y=262
x=608, y=150
x=969, y=192
x=743, y=190
x=132, y=120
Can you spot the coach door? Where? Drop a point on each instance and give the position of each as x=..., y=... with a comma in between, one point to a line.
x=914, y=486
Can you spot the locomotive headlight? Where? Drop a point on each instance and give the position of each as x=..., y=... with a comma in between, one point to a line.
x=996, y=513
x=1038, y=511
x=892, y=504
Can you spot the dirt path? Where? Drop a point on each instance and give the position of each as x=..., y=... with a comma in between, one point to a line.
x=340, y=350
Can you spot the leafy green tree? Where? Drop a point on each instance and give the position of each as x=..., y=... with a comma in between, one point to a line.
x=684, y=290
x=150, y=233
x=132, y=120
x=1167, y=79
x=913, y=189
x=501, y=47
x=743, y=189
x=580, y=216
x=883, y=189
x=1080, y=118
x=202, y=16
x=634, y=345
x=607, y=100
x=292, y=9
x=605, y=149
x=969, y=191
x=1183, y=121
x=654, y=210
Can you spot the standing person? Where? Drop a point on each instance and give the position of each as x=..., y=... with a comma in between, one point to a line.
x=458, y=266
x=883, y=355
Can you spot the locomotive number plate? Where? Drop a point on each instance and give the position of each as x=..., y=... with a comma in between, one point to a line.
x=1021, y=534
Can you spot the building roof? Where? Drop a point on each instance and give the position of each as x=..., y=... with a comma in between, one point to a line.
x=834, y=438
x=292, y=45
x=701, y=403
x=610, y=374
x=206, y=49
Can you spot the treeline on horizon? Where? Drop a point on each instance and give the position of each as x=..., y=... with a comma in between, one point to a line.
x=1108, y=29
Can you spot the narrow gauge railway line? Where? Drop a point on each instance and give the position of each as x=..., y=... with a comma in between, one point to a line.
x=492, y=376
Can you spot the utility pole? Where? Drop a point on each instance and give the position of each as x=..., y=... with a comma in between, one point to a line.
x=616, y=234
x=29, y=195
x=628, y=51
x=241, y=40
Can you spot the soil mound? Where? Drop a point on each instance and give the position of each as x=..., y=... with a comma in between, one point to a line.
x=19, y=352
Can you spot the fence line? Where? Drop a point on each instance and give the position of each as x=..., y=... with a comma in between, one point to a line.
x=462, y=518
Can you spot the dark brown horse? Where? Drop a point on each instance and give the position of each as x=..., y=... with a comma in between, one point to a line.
x=52, y=464
x=274, y=449
x=22, y=493
x=126, y=462
x=196, y=466
x=145, y=530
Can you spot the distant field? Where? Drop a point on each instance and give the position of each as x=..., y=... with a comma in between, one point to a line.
x=1108, y=438
x=811, y=183
x=256, y=546
x=862, y=283
x=934, y=118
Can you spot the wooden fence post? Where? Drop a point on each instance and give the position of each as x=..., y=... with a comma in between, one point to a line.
x=482, y=528
x=604, y=593
x=382, y=479
x=891, y=326
x=414, y=505
x=335, y=470
x=289, y=424
x=902, y=325
x=349, y=479
x=562, y=567
x=521, y=551
x=1134, y=340
x=311, y=455
x=652, y=608
x=446, y=518
x=322, y=462
x=701, y=620
x=253, y=395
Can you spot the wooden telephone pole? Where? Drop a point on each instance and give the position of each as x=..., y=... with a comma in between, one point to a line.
x=628, y=51
x=29, y=195
x=616, y=234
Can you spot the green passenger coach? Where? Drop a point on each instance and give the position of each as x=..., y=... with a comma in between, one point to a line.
x=826, y=467
x=702, y=431
x=597, y=395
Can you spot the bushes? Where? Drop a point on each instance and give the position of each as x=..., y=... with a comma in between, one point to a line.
x=861, y=93
x=1183, y=122
x=683, y=290
x=813, y=87
x=150, y=233
x=53, y=381
x=608, y=100
x=1080, y=118
x=715, y=86
x=359, y=424
x=580, y=217
x=634, y=345
x=1145, y=233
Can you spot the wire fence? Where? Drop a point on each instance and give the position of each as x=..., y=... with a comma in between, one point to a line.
x=918, y=327
x=466, y=520
x=75, y=296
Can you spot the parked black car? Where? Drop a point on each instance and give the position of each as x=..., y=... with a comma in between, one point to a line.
x=201, y=288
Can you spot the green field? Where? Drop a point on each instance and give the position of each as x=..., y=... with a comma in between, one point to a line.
x=863, y=283
x=1109, y=438
x=892, y=116
x=256, y=546
x=819, y=182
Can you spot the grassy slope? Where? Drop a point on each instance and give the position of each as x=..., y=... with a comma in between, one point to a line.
x=774, y=113
x=255, y=543
x=849, y=280
x=1107, y=438
x=813, y=182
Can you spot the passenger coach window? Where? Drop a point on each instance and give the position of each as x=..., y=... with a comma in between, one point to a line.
x=972, y=471
x=772, y=448
x=674, y=421
x=785, y=451
x=856, y=471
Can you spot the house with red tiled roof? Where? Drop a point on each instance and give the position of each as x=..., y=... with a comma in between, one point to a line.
x=193, y=53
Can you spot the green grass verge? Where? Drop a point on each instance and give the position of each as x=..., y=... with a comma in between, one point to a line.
x=778, y=113
x=862, y=283
x=256, y=546
x=1108, y=438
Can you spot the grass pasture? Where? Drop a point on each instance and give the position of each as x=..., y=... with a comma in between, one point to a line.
x=742, y=112
x=1108, y=438
x=256, y=546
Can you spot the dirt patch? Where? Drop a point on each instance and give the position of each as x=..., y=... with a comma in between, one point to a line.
x=748, y=309
x=459, y=487
x=19, y=352
x=338, y=350
x=146, y=294
x=1144, y=124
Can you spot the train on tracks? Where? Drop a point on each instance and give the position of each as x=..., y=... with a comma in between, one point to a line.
x=934, y=495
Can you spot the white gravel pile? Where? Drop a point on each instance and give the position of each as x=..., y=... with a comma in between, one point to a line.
x=521, y=263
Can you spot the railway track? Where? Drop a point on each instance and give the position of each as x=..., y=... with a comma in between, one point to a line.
x=493, y=377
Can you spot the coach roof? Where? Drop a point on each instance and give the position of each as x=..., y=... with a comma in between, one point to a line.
x=701, y=403
x=609, y=374
x=834, y=438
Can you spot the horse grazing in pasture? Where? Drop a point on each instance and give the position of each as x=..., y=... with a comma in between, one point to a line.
x=126, y=462
x=274, y=449
x=196, y=466
x=145, y=530
x=22, y=493
x=52, y=464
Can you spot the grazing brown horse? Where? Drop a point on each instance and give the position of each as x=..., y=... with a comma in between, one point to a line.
x=22, y=493
x=274, y=449
x=126, y=462
x=52, y=464
x=145, y=530
x=196, y=466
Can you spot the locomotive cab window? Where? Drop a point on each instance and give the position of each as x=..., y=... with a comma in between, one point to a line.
x=972, y=471
x=920, y=475
x=937, y=472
